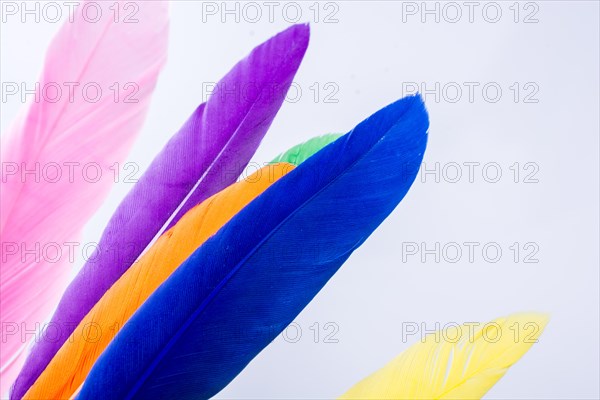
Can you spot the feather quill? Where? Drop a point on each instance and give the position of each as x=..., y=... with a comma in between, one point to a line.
x=244, y=285
x=205, y=156
x=73, y=131
x=465, y=366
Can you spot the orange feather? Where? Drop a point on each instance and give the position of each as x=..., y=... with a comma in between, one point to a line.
x=68, y=369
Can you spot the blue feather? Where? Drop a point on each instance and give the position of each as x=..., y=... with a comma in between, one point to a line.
x=240, y=289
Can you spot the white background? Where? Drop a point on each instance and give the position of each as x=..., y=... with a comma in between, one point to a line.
x=369, y=55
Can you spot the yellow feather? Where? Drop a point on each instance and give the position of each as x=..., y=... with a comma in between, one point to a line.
x=460, y=362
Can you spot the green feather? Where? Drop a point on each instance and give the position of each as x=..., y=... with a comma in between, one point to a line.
x=301, y=152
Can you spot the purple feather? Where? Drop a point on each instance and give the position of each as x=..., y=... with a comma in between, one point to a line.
x=207, y=154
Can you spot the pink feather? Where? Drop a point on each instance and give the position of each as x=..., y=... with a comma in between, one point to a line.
x=42, y=209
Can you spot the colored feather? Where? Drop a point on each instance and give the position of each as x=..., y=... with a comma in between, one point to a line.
x=57, y=156
x=462, y=363
x=69, y=367
x=206, y=155
x=301, y=152
x=244, y=285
